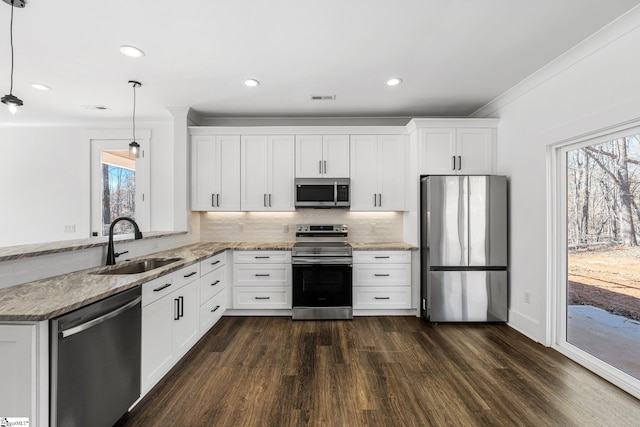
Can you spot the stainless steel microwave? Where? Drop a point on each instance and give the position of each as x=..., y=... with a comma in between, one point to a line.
x=323, y=193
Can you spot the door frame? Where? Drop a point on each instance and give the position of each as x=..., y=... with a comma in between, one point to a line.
x=556, y=298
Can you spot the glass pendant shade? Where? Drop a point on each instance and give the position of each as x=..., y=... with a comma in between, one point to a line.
x=12, y=102
x=134, y=150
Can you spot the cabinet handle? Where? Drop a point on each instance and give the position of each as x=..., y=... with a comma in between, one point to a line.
x=217, y=262
x=380, y=200
x=320, y=166
x=454, y=162
x=383, y=257
x=181, y=311
x=215, y=283
x=325, y=166
x=261, y=257
x=269, y=199
x=375, y=199
x=165, y=286
x=218, y=200
x=382, y=297
x=176, y=309
x=213, y=200
x=263, y=297
x=264, y=200
x=215, y=309
x=459, y=163
x=381, y=275
x=190, y=274
x=263, y=275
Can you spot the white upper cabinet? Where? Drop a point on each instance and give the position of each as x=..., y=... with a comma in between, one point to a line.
x=319, y=156
x=378, y=172
x=452, y=151
x=215, y=173
x=267, y=173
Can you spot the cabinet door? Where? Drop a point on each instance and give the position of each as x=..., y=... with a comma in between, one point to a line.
x=309, y=156
x=392, y=151
x=157, y=356
x=228, y=165
x=475, y=147
x=437, y=151
x=364, y=172
x=335, y=156
x=184, y=330
x=204, y=179
x=281, y=169
x=254, y=173
x=18, y=370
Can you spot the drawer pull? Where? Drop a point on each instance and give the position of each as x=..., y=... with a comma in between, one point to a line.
x=217, y=262
x=215, y=283
x=263, y=275
x=215, y=309
x=381, y=275
x=263, y=297
x=190, y=274
x=382, y=297
x=262, y=257
x=162, y=287
x=385, y=257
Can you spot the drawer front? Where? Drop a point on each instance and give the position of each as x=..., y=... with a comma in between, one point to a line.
x=211, y=284
x=262, y=257
x=212, y=311
x=382, y=275
x=213, y=263
x=382, y=297
x=186, y=275
x=262, y=297
x=257, y=275
x=157, y=288
x=377, y=257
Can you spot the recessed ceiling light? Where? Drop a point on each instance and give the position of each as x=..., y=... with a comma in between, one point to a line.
x=131, y=51
x=394, y=81
x=251, y=82
x=40, y=86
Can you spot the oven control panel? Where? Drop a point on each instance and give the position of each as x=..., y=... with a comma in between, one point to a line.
x=322, y=230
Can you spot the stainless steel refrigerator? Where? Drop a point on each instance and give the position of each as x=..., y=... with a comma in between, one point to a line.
x=464, y=275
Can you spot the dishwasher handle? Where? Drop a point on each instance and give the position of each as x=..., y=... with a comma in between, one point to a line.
x=98, y=320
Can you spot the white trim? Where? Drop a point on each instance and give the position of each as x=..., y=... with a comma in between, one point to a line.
x=605, y=36
x=556, y=313
x=297, y=130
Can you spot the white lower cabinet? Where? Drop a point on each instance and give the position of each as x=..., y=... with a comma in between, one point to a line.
x=381, y=280
x=177, y=309
x=261, y=280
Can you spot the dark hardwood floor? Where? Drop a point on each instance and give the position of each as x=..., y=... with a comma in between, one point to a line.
x=377, y=371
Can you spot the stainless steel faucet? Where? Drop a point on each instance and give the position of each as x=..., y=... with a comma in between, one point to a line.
x=111, y=254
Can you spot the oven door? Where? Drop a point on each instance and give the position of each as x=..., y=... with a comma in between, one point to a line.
x=322, y=285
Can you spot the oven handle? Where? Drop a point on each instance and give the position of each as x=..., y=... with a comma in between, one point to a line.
x=301, y=261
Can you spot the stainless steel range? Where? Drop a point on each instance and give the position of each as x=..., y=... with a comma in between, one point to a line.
x=322, y=273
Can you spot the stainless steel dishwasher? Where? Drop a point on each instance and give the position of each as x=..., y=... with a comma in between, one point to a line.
x=95, y=362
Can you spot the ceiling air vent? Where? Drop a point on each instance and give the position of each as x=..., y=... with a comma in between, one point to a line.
x=323, y=97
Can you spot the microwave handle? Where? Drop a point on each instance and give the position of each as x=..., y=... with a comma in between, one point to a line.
x=335, y=192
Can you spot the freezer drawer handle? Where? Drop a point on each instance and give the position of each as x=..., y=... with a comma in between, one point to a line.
x=261, y=257
x=385, y=257
x=263, y=275
x=98, y=320
x=263, y=297
x=381, y=275
x=382, y=297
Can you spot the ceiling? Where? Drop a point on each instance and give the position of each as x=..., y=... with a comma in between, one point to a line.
x=454, y=56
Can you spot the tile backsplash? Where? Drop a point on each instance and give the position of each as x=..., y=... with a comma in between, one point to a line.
x=280, y=226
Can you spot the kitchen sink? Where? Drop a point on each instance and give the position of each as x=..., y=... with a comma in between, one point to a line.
x=140, y=266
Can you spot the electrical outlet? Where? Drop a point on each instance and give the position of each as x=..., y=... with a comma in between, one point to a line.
x=285, y=228
x=241, y=226
x=527, y=297
x=70, y=228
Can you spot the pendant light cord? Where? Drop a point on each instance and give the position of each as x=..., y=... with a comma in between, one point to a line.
x=11, y=42
x=134, y=112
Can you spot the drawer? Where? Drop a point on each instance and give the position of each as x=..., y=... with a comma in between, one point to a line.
x=212, y=263
x=377, y=257
x=262, y=297
x=186, y=275
x=211, y=284
x=382, y=297
x=382, y=275
x=266, y=274
x=212, y=311
x=262, y=257
x=157, y=288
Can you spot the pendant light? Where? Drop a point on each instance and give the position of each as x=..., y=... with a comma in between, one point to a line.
x=11, y=101
x=134, y=147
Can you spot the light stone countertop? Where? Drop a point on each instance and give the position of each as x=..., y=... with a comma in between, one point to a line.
x=51, y=297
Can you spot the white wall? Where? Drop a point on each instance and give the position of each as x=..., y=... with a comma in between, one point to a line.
x=44, y=182
x=594, y=86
